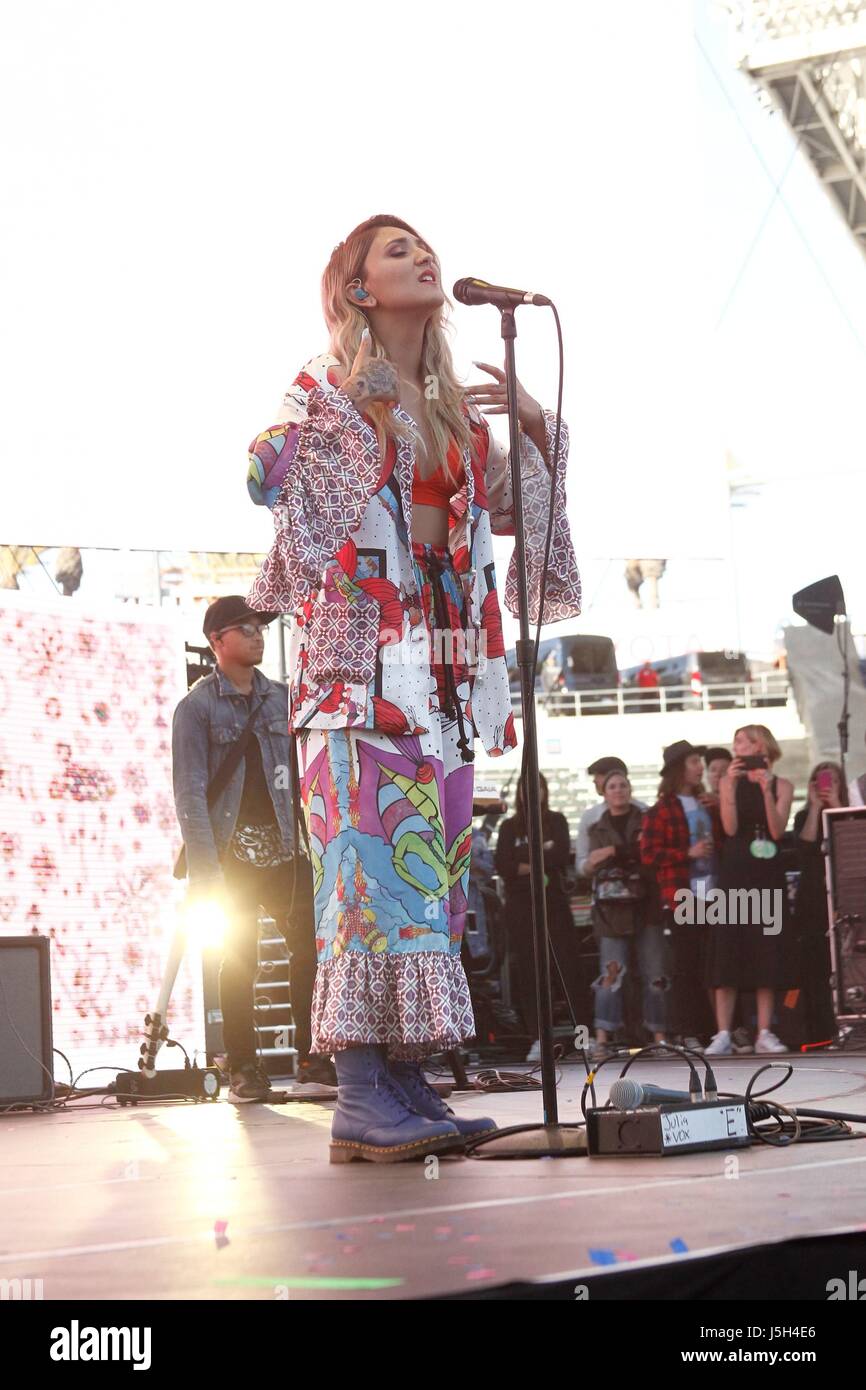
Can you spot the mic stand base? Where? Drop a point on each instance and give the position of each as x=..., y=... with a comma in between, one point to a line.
x=533, y=1141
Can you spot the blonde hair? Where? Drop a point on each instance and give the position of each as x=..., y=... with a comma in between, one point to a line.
x=759, y=733
x=346, y=322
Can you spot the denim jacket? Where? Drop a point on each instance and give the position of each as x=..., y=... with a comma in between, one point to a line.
x=207, y=722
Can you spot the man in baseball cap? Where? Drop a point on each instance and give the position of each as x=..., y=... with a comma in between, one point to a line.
x=602, y=766
x=599, y=770
x=717, y=761
x=232, y=611
x=239, y=837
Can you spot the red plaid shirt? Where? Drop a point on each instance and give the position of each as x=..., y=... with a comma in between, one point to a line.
x=664, y=846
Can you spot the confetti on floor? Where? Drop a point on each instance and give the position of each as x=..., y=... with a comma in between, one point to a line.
x=602, y=1257
x=679, y=1246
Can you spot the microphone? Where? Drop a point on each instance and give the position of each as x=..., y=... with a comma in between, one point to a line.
x=472, y=291
x=626, y=1094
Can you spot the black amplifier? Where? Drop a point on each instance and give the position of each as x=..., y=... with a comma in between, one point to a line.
x=662, y=1130
x=845, y=838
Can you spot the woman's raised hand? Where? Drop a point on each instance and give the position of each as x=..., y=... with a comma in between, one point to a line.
x=371, y=378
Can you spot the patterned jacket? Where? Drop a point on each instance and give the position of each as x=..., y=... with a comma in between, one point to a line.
x=664, y=846
x=341, y=562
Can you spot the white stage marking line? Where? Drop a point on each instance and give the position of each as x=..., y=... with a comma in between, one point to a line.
x=68, y=1251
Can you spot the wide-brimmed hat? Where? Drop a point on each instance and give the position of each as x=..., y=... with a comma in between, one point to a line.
x=678, y=752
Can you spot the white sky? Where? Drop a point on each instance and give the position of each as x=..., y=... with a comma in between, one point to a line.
x=177, y=176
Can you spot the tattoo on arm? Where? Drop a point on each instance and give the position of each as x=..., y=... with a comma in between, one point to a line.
x=377, y=380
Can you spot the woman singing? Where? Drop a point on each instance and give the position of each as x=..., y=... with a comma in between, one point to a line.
x=386, y=486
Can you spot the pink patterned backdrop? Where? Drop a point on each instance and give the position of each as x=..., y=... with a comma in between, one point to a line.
x=88, y=833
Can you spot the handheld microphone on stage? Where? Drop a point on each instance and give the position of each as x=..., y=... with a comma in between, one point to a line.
x=472, y=291
x=626, y=1094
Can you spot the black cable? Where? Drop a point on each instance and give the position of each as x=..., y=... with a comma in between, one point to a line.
x=782, y=1137
x=686, y=1053
x=630, y=1055
x=68, y=1063
x=173, y=1042
x=831, y=1114
x=88, y=1070
x=492, y=1079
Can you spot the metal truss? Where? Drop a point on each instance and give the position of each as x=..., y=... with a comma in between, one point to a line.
x=809, y=56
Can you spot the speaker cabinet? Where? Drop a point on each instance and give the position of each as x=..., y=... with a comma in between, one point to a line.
x=26, y=1057
x=845, y=837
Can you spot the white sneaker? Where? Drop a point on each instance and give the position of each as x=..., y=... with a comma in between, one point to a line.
x=720, y=1045
x=534, y=1053
x=768, y=1042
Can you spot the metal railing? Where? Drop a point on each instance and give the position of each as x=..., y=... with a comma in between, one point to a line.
x=769, y=688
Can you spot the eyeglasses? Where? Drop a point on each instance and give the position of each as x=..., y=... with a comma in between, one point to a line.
x=248, y=629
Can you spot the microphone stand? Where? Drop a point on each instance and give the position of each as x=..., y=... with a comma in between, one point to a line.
x=525, y=654
x=844, y=720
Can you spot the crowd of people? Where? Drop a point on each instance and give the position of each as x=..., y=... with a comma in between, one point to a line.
x=699, y=938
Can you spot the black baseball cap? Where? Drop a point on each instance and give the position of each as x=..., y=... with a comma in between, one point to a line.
x=604, y=765
x=678, y=752
x=230, y=610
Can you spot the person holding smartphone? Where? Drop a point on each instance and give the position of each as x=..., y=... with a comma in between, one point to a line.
x=745, y=955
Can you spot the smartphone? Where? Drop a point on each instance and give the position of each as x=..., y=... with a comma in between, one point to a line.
x=752, y=761
x=824, y=780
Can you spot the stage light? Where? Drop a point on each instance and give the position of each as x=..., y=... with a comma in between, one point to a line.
x=205, y=923
x=821, y=604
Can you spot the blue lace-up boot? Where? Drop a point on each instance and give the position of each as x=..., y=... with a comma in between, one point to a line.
x=420, y=1094
x=374, y=1120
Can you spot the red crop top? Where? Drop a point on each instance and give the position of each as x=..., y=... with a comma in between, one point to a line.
x=439, y=488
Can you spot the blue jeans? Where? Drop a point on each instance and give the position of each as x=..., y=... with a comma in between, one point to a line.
x=618, y=954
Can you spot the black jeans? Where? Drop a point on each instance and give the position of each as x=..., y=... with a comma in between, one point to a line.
x=690, y=1012
x=564, y=945
x=250, y=889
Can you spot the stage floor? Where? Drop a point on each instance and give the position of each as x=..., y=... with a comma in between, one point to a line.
x=220, y=1201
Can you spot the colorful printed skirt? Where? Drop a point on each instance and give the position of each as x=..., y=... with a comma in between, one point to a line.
x=390, y=825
